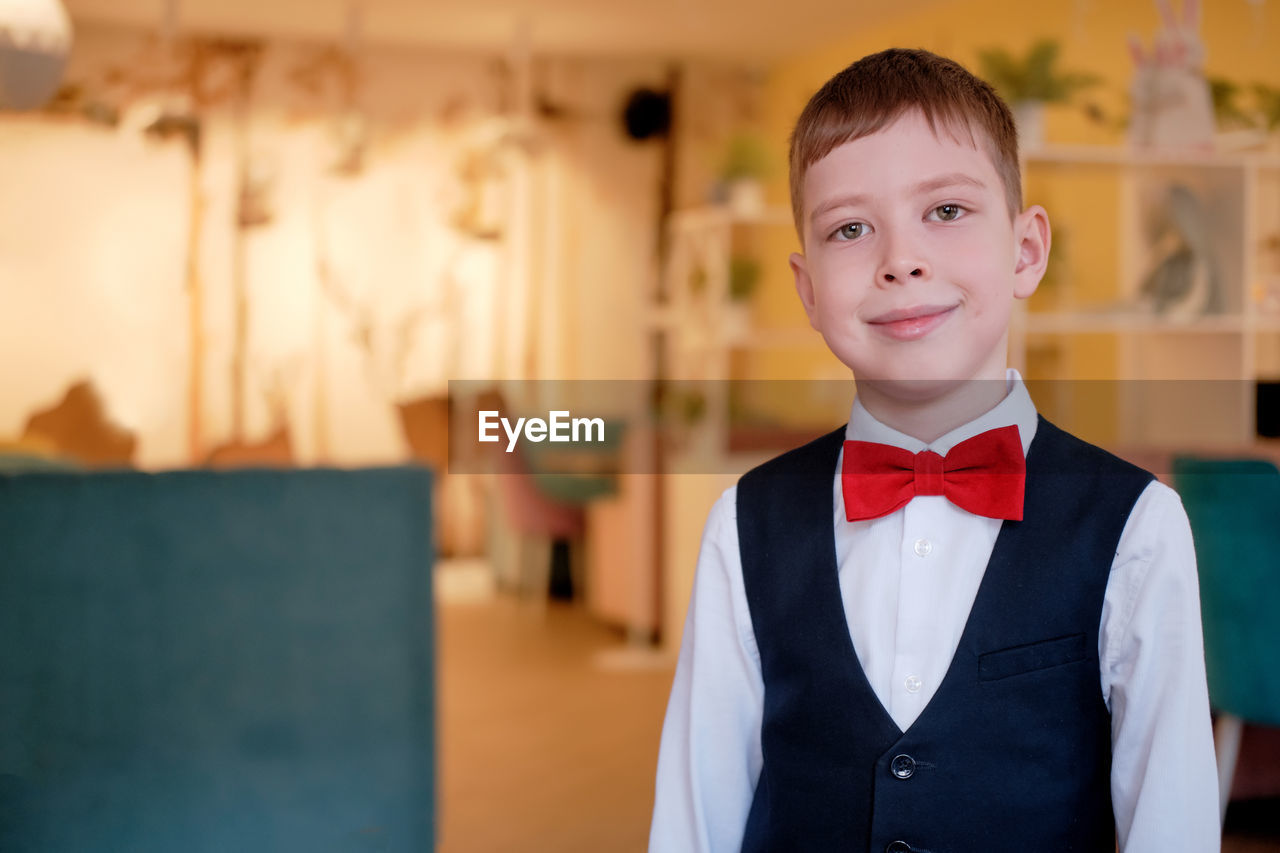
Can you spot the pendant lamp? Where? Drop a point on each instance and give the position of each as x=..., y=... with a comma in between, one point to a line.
x=35, y=36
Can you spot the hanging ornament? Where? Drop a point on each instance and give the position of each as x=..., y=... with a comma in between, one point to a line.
x=35, y=36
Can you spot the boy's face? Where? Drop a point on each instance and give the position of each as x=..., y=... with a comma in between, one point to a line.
x=911, y=261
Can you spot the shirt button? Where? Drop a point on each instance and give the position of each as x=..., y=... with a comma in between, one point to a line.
x=903, y=766
x=898, y=847
x=913, y=684
x=923, y=547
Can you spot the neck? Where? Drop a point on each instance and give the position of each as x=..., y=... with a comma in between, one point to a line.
x=928, y=410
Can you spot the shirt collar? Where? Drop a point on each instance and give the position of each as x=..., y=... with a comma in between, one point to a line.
x=1016, y=408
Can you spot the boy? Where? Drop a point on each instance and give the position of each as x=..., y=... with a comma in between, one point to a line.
x=997, y=647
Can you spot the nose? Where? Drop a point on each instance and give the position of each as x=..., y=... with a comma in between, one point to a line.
x=901, y=263
x=902, y=270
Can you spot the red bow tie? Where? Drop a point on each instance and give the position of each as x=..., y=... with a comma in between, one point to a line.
x=984, y=475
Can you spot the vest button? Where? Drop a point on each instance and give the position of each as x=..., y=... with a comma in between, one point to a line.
x=903, y=766
x=898, y=847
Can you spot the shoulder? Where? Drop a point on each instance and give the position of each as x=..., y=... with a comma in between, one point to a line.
x=719, y=595
x=1067, y=453
x=723, y=516
x=1158, y=521
x=777, y=501
x=1079, y=485
x=818, y=455
x=1155, y=523
x=718, y=551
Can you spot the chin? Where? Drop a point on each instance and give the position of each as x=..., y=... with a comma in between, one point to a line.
x=916, y=389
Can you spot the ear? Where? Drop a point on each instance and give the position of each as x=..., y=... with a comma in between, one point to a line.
x=1032, y=240
x=804, y=287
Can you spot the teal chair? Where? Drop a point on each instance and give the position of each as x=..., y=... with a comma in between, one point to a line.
x=207, y=662
x=1234, y=508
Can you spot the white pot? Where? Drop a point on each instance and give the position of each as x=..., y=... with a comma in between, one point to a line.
x=1029, y=118
x=746, y=196
x=736, y=320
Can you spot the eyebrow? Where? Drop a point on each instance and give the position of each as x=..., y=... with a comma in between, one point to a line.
x=953, y=179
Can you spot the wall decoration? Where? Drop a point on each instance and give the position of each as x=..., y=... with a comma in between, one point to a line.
x=1172, y=103
x=1184, y=282
x=252, y=210
x=78, y=427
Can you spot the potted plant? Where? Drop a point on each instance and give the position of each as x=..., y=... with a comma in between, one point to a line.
x=1267, y=99
x=747, y=162
x=1030, y=82
x=744, y=277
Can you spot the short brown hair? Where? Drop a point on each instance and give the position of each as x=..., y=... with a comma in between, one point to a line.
x=873, y=92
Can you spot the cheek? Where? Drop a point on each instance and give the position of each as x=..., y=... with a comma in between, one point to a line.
x=970, y=252
x=838, y=277
x=981, y=273
x=839, y=313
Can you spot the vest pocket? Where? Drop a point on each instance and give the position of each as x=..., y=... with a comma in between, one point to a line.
x=1031, y=657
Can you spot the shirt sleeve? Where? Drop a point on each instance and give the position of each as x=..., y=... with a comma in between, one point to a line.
x=709, y=760
x=1164, y=782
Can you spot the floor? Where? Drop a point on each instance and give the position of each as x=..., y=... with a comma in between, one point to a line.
x=549, y=733
x=547, y=741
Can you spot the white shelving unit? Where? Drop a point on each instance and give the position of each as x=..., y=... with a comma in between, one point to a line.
x=699, y=315
x=1188, y=380
x=702, y=323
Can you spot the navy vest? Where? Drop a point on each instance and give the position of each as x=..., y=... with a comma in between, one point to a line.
x=1013, y=752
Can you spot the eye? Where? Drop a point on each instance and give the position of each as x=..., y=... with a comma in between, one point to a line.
x=850, y=231
x=948, y=212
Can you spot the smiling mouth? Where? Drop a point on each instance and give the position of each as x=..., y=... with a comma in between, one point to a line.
x=909, y=324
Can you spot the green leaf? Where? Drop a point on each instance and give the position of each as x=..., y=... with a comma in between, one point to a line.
x=1034, y=77
x=1268, y=101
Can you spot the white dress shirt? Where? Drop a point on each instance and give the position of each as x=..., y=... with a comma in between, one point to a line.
x=908, y=581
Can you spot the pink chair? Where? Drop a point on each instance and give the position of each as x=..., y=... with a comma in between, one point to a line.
x=537, y=529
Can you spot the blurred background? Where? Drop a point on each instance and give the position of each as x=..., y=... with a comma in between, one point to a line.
x=291, y=234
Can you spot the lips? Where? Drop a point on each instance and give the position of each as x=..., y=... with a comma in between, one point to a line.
x=909, y=324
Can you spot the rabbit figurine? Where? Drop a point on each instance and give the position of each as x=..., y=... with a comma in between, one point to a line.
x=1172, y=106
